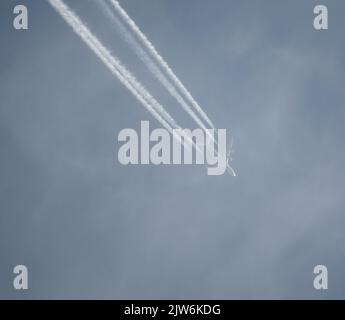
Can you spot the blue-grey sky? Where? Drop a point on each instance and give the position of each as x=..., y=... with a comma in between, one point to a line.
x=88, y=227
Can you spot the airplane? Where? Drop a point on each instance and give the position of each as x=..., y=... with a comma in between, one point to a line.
x=229, y=158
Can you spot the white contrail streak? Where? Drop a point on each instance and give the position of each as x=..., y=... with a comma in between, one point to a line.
x=114, y=65
x=151, y=64
x=141, y=36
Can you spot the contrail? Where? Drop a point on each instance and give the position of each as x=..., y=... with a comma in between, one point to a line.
x=151, y=65
x=115, y=4
x=115, y=66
